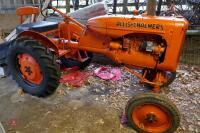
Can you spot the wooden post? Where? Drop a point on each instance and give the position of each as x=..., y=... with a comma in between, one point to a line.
x=114, y=6
x=76, y=4
x=151, y=7
x=87, y=2
x=159, y=7
x=125, y=9
x=168, y=2
x=136, y=4
x=67, y=6
x=25, y=2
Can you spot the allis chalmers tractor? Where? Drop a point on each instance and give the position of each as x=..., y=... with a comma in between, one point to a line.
x=149, y=43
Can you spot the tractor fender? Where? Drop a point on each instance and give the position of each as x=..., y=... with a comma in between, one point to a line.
x=41, y=38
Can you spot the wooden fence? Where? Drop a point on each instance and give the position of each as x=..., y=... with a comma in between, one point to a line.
x=115, y=6
x=191, y=49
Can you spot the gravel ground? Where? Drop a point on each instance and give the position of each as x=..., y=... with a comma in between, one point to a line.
x=184, y=92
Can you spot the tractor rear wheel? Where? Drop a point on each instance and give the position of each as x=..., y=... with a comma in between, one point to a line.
x=33, y=67
x=152, y=113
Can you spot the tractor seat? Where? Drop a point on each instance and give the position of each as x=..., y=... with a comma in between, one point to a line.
x=42, y=26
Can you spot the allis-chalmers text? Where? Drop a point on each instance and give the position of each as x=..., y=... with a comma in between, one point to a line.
x=140, y=25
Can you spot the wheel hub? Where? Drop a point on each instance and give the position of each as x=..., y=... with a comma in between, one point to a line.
x=151, y=118
x=30, y=69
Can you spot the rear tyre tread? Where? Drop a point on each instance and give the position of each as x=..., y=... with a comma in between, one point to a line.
x=47, y=57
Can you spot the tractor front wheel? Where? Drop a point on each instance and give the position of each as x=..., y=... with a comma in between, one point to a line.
x=152, y=113
x=33, y=66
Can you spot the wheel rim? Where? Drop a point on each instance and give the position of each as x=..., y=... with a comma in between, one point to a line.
x=30, y=69
x=151, y=118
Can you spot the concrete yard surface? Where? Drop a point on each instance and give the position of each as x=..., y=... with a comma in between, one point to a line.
x=74, y=113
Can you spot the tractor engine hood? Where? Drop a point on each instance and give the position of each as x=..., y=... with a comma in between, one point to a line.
x=98, y=24
x=119, y=25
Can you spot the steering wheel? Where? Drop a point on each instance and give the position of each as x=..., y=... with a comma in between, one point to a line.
x=48, y=7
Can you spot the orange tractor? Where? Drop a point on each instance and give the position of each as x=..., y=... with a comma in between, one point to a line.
x=149, y=43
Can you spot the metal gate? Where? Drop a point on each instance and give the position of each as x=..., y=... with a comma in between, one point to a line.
x=191, y=49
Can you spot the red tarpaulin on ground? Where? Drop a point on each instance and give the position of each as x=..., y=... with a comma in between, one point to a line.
x=75, y=79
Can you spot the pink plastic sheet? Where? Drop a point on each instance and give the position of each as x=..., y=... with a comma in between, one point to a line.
x=108, y=73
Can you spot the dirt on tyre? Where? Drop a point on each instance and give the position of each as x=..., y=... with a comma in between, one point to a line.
x=152, y=113
x=33, y=67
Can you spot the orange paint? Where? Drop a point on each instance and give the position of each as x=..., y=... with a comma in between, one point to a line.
x=28, y=10
x=134, y=40
x=151, y=118
x=30, y=69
